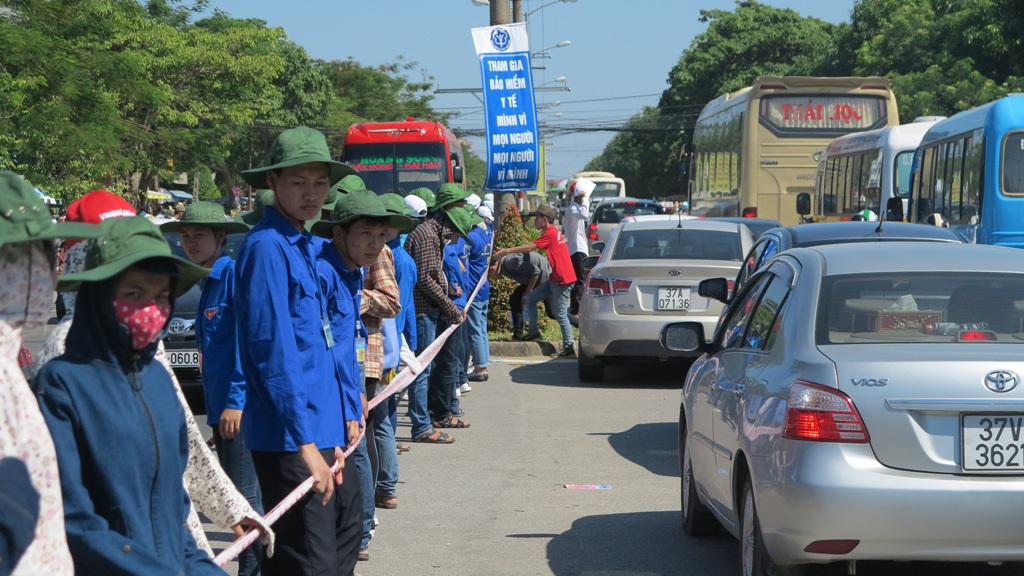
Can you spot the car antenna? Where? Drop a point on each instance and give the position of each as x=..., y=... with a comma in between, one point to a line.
x=679, y=219
x=878, y=229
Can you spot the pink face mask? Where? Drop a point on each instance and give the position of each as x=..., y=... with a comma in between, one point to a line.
x=143, y=321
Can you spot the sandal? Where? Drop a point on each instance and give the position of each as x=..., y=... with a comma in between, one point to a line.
x=451, y=422
x=434, y=437
x=403, y=447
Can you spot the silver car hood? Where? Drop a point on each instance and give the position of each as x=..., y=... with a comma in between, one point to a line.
x=911, y=396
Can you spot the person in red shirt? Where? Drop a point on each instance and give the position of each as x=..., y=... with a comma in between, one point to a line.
x=559, y=283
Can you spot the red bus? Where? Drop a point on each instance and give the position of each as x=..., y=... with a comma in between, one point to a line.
x=401, y=156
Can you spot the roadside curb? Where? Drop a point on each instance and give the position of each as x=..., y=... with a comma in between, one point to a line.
x=522, y=349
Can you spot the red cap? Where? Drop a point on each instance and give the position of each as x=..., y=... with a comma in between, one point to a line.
x=97, y=206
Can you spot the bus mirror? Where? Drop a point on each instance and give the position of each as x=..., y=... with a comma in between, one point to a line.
x=803, y=204
x=457, y=174
x=894, y=209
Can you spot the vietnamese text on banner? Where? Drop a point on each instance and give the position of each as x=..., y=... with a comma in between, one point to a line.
x=513, y=152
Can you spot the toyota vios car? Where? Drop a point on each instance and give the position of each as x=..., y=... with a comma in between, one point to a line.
x=647, y=276
x=861, y=401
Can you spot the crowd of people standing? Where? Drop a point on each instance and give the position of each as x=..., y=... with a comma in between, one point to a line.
x=334, y=290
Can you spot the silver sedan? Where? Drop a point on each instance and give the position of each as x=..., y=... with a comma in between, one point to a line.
x=861, y=402
x=647, y=276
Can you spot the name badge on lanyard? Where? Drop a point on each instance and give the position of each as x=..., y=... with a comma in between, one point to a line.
x=328, y=336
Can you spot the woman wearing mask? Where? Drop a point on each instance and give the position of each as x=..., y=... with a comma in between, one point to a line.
x=118, y=428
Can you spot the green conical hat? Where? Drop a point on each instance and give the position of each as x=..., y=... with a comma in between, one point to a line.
x=294, y=147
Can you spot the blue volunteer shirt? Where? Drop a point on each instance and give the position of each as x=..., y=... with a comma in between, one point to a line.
x=216, y=335
x=343, y=290
x=293, y=395
x=452, y=266
x=405, y=275
x=479, y=256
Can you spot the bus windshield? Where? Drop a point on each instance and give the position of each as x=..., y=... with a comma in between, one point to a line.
x=605, y=190
x=398, y=167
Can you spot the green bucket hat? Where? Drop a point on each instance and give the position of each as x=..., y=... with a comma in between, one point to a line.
x=395, y=204
x=123, y=243
x=427, y=195
x=332, y=199
x=205, y=214
x=359, y=204
x=474, y=218
x=350, y=183
x=25, y=218
x=462, y=222
x=449, y=193
x=297, y=146
x=263, y=198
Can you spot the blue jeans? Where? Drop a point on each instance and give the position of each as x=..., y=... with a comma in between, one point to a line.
x=364, y=475
x=476, y=323
x=426, y=331
x=561, y=296
x=236, y=461
x=384, y=437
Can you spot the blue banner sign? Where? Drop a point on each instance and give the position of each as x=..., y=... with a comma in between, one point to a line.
x=513, y=149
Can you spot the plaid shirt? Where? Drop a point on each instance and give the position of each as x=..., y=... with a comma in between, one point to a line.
x=426, y=246
x=380, y=300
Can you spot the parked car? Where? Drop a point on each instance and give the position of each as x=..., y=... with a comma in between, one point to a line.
x=180, y=343
x=608, y=212
x=647, y=276
x=860, y=402
x=776, y=240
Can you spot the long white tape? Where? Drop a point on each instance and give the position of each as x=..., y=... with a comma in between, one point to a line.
x=399, y=383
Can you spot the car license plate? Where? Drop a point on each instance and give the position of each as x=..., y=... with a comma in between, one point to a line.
x=673, y=299
x=183, y=358
x=992, y=442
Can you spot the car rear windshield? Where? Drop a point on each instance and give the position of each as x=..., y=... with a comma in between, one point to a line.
x=614, y=212
x=678, y=243
x=922, y=307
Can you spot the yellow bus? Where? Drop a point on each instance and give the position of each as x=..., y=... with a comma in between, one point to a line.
x=754, y=150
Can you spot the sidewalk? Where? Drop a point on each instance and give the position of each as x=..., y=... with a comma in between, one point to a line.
x=524, y=349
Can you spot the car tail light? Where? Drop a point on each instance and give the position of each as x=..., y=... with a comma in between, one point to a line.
x=729, y=285
x=602, y=286
x=976, y=336
x=592, y=232
x=749, y=212
x=822, y=414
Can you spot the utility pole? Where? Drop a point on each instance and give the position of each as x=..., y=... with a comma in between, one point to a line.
x=500, y=13
x=517, y=10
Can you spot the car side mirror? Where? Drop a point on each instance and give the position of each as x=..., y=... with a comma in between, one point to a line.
x=715, y=288
x=588, y=263
x=683, y=337
x=599, y=246
x=457, y=174
x=803, y=203
x=894, y=209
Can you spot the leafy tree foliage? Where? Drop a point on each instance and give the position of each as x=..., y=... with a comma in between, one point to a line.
x=942, y=57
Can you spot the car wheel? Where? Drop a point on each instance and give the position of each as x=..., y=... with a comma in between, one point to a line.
x=754, y=557
x=588, y=370
x=697, y=519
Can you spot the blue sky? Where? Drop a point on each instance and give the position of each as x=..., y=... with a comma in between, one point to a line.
x=618, y=60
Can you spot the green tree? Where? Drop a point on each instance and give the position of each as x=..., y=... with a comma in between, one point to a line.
x=738, y=46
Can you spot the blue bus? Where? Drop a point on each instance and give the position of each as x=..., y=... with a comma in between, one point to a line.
x=969, y=174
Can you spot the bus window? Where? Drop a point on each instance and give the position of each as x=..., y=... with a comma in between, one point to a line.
x=1013, y=164
x=901, y=173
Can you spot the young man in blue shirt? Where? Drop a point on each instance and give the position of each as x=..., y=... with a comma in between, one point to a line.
x=294, y=418
x=204, y=229
x=358, y=230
